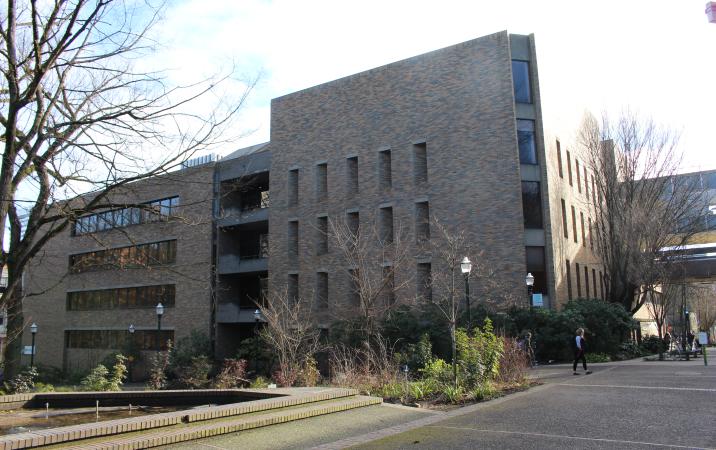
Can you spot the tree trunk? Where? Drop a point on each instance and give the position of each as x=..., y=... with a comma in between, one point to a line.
x=454, y=353
x=15, y=325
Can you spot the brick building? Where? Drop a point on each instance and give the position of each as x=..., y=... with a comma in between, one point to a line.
x=456, y=134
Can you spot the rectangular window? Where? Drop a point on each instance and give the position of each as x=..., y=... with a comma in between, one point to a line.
x=292, y=289
x=293, y=240
x=574, y=224
x=420, y=164
x=117, y=339
x=388, y=286
x=152, y=211
x=263, y=245
x=526, y=141
x=322, y=290
x=569, y=167
x=521, y=81
x=559, y=159
x=579, y=177
x=293, y=187
x=107, y=299
x=601, y=284
x=586, y=280
x=352, y=175
x=424, y=282
x=321, y=181
x=386, y=225
x=535, y=263
x=422, y=222
x=594, y=193
x=531, y=204
x=579, y=281
x=591, y=239
x=594, y=281
x=586, y=183
x=569, y=281
x=564, y=220
x=322, y=235
x=385, y=170
x=584, y=236
x=353, y=223
x=135, y=256
x=353, y=287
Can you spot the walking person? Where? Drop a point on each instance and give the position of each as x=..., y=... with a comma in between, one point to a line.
x=579, y=352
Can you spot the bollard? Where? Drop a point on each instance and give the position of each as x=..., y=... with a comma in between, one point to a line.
x=130, y=409
x=96, y=410
x=47, y=410
x=706, y=361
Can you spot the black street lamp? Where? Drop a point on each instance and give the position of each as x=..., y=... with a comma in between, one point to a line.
x=529, y=281
x=33, y=330
x=130, y=357
x=160, y=313
x=465, y=268
x=257, y=319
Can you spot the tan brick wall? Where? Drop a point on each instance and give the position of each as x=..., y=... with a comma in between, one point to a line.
x=48, y=274
x=459, y=101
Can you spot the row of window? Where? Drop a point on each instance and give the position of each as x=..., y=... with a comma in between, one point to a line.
x=122, y=298
x=591, y=228
x=386, y=232
x=133, y=256
x=118, y=339
x=117, y=218
x=581, y=174
x=351, y=176
x=583, y=275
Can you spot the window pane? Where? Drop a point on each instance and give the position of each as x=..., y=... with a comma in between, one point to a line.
x=526, y=140
x=521, y=81
x=531, y=204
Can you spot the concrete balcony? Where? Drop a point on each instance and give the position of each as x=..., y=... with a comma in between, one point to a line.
x=229, y=264
x=233, y=313
x=233, y=217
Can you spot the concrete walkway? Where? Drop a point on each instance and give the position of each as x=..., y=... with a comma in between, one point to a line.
x=622, y=405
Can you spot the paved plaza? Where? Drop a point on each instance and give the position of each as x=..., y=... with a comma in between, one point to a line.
x=628, y=405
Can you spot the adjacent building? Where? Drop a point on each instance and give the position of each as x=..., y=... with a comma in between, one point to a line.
x=455, y=134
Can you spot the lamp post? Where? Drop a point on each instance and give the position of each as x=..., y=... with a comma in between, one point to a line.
x=257, y=318
x=529, y=281
x=33, y=330
x=130, y=357
x=160, y=313
x=465, y=268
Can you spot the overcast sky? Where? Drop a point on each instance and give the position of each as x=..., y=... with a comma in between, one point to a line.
x=657, y=57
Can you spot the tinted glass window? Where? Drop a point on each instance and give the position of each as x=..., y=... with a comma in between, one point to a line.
x=531, y=204
x=521, y=81
x=526, y=140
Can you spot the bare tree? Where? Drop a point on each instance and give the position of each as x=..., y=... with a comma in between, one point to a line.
x=448, y=248
x=79, y=115
x=375, y=260
x=290, y=332
x=640, y=206
x=703, y=303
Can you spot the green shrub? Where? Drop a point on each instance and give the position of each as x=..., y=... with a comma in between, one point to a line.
x=438, y=371
x=23, y=382
x=452, y=394
x=158, y=368
x=259, y=383
x=195, y=374
x=100, y=378
x=606, y=325
x=652, y=345
x=483, y=391
x=597, y=357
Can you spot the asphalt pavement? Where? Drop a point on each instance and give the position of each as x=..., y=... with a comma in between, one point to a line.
x=632, y=405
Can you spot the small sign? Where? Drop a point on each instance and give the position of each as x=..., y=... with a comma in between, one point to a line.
x=703, y=338
x=27, y=350
x=537, y=300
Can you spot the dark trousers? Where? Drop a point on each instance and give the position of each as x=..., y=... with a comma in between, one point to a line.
x=579, y=355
